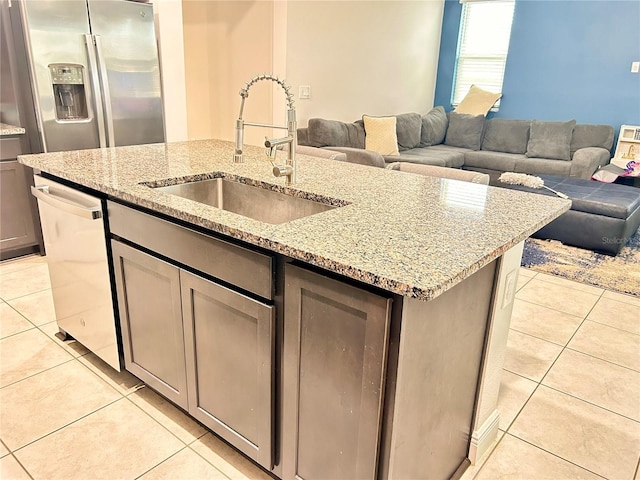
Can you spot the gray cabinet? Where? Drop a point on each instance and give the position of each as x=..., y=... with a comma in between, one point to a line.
x=230, y=348
x=202, y=345
x=17, y=229
x=148, y=292
x=335, y=343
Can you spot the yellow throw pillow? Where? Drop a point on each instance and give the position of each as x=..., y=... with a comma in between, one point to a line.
x=381, y=135
x=477, y=101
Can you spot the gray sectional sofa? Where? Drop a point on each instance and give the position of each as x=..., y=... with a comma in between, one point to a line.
x=472, y=142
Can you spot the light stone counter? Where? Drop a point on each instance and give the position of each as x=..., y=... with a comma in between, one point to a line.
x=411, y=235
x=6, y=130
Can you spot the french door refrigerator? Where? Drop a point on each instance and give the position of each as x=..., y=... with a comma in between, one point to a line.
x=94, y=72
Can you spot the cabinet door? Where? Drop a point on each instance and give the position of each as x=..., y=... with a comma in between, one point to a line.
x=151, y=319
x=335, y=341
x=16, y=227
x=229, y=340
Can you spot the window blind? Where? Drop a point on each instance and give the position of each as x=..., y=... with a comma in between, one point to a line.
x=483, y=44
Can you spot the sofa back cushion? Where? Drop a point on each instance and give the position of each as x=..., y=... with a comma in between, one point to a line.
x=408, y=130
x=550, y=140
x=434, y=127
x=508, y=136
x=333, y=133
x=592, y=136
x=465, y=131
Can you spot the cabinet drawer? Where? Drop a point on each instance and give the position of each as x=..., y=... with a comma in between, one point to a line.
x=10, y=148
x=239, y=266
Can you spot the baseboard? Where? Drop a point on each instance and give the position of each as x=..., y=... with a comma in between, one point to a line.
x=483, y=437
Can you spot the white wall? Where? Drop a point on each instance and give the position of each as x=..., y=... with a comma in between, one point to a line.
x=226, y=44
x=168, y=17
x=377, y=57
x=373, y=57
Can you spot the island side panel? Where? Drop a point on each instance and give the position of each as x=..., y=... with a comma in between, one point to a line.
x=485, y=424
x=439, y=359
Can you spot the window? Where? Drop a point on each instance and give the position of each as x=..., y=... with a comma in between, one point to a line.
x=483, y=44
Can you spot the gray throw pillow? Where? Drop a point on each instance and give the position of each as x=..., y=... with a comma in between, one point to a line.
x=591, y=136
x=465, y=131
x=550, y=140
x=434, y=127
x=504, y=135
x=408, y=130
x=332, y=133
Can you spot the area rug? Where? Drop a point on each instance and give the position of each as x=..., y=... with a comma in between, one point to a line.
x=620, y=273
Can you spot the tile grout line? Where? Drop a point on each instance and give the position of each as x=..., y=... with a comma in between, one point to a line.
x=573, y=349
x=561, y=284
x=584, y=319
x=38, y=373
x=555, y=455
x=550, y=367
x=10, y=454
x=611, y=326
x=555, y=309
x=66, y=425
x=186, y=445
x=507, y=431
x=588, y=284
x=590, y=403
x=7, y=300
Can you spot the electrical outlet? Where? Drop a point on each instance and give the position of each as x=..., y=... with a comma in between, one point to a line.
x=304, y=92
x=635, y=67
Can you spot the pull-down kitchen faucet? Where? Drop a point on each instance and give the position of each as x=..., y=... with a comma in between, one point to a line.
x=288, y=170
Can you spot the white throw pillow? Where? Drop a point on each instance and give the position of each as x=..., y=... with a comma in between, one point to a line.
x=381, y=135
x=477, y=101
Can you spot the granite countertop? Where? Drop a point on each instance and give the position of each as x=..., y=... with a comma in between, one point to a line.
x=6, y=130
x=412, y=235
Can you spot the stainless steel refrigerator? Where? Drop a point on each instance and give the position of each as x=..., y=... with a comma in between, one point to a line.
x=94, y=72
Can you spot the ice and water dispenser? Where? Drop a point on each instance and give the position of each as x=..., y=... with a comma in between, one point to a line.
x=69, y=91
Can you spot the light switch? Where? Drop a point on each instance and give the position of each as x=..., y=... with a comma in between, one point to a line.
x=635, y=67
x=304, y=92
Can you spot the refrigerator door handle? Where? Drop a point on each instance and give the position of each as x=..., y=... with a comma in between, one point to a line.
x=42, y=192
x=104, y=81
x=95, y=82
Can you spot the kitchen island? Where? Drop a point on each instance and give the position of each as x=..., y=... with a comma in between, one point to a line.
x=380, y=325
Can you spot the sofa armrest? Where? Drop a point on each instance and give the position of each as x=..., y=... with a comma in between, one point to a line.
x=587, y=160
x=321, y=152
x=360, y=156
x=303, y=136
x=441, y=172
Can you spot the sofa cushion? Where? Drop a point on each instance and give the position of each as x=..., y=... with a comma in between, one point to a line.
x=333, y=133
x=434, y=127
x=465, y=131
x=550, y=140
x=381, y=135
x=408, y=130
x=477, y=101
x=502, y=162
x=503, y=135
x=542, y=165
x=585, y=136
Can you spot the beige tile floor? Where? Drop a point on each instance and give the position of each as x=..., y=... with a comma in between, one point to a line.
x=569, y=401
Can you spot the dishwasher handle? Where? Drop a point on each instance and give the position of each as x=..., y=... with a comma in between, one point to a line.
x=42, y=192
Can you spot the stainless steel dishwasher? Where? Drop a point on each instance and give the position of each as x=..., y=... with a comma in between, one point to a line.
x=74, y=237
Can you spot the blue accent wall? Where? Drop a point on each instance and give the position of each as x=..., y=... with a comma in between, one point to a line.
x=567, y=60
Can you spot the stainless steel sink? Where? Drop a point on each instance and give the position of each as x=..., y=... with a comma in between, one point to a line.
x=247, y=200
